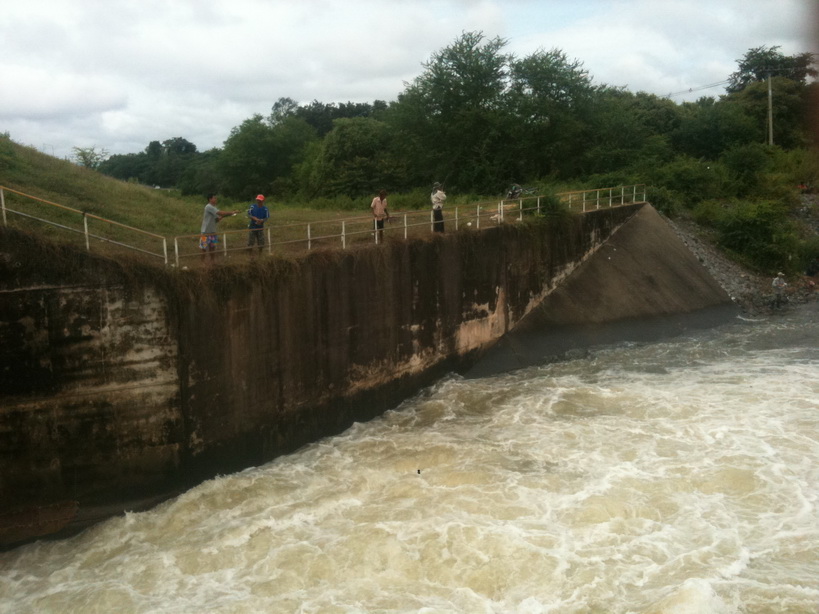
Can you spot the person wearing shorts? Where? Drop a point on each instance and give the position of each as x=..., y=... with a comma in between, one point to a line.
x=208, y=238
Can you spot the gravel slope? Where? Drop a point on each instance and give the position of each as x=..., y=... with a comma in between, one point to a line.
x=752, y=292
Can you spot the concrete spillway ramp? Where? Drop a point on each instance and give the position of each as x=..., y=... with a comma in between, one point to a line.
x=640, y=285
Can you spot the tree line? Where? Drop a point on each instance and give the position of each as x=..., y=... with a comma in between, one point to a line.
x=478, y=119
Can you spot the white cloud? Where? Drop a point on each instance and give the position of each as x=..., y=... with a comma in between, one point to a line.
x=38, y=93
x=118, y=73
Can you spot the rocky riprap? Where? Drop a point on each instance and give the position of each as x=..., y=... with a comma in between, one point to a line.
x=752, y=292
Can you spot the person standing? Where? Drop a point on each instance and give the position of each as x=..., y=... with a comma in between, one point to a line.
x=437, y=197
x=208, y=237
x=778, y=285
x=258, y=215
x=380, y=213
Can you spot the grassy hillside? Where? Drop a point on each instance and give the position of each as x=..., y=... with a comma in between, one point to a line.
x=162, y=212
x=29, y=175
x=27, y=170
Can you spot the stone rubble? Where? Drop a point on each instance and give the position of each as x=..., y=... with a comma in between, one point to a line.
x=751, y=291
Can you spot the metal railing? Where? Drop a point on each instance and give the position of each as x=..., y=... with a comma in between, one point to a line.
x=588, y=200
x=80, y=222
x=354, y=230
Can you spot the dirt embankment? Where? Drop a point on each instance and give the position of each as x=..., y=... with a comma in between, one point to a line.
x=752, y=292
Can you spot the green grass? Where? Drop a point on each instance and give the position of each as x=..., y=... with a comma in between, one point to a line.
x=166, y=213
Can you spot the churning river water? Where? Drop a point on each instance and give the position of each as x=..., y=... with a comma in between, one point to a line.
x=672, y=477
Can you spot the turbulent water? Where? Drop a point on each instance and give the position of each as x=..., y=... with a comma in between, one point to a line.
x=672, y=477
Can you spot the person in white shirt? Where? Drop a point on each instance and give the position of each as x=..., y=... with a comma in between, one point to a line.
x=778, y=285
x=437, y=197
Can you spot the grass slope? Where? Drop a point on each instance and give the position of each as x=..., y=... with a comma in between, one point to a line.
x=162, y=212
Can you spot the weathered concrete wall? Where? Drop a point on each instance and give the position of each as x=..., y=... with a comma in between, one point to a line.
x=90, y=391
x=115, y=385
x=642, y=284
x=343, y=336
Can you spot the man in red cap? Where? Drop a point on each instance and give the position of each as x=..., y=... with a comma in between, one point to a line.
x=258, y=215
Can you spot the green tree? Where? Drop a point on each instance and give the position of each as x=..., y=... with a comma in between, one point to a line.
x=357, y=158
x=707, y=128
x=282, y=109
x=762, y=233
x=550, y=99
x=760, y=62
x=178, y=146
x=615, y=132
x=321, y=115
x=201, y=175
x=789, y=106
x=454, y=114
x=258, y=155
x=89, y=157
x=174, y=157
x=154, y=149
x=747, y=165
x=128, y=167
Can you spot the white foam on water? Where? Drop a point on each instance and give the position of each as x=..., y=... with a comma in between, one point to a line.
x=667, y=478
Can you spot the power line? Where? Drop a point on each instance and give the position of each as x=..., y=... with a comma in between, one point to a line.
x=699, y=88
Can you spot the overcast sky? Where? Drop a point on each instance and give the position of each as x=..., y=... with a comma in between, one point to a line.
x=117, y=74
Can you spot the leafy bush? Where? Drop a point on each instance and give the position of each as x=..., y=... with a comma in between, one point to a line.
x=808, y=254
x=761, y=233
x=747, y=165
x=710, y=212
x=664, y=200
x=696, y=179
x=552, y=208
x=798, y=166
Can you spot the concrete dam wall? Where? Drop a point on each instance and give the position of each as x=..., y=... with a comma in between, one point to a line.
x=120, y=383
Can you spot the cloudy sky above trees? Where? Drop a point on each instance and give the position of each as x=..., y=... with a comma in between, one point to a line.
x=117, y=74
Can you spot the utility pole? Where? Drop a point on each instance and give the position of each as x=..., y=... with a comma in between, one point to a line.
x=770, y=111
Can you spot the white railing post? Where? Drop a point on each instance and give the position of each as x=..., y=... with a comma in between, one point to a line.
x=405, y=225
x=478, y=218
x=538, y=204
x=309, y=239
x=500, y=211
x=344, y=234
x=584, y=201
x=520, y=210
x=224, y=244
x=269, y=244
x=165, y=250
x=85, y=228
x=610, y=197
x=3, y=206
x=622, y=195
x=176, y=250
x=456, y=217
x=432, y=221
x=597, y=200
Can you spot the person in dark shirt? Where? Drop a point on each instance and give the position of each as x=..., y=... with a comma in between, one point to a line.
x=258, y=215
